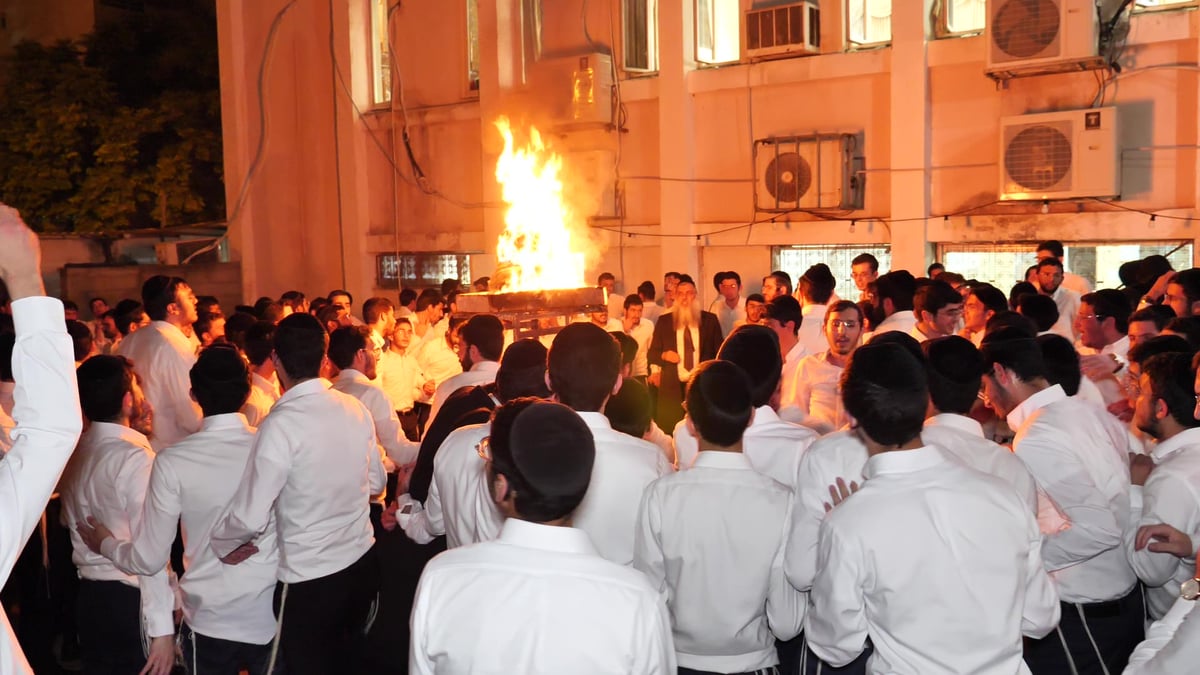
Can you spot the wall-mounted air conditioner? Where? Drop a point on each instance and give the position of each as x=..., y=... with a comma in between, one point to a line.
x=1060, y=155
x=796, y=173
x=1032, y=37
x=785, y=30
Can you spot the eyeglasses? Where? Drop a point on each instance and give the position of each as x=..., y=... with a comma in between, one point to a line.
x=484, y=448
x=1098, y=317
x=842, y=323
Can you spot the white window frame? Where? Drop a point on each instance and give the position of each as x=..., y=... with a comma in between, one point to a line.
x=866, y=34
x=381, y=64
x=628, y=30
x=946, y=24
x=723, y=19
x=1163, y=5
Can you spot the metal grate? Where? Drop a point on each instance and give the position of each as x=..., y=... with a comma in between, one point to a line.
x=1003, y=265
x=795, y=260
x=1022, y=29
x=1038, y=157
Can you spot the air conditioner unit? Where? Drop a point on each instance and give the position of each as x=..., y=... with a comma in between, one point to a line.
x=783, y=30
x=1033, y=37
x=574, y=90
x=796, y=173
x=1060, y=155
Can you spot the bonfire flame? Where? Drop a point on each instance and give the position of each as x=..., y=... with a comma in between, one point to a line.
x=536, y=244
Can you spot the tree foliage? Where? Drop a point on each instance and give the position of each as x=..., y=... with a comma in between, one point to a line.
x=119, y=130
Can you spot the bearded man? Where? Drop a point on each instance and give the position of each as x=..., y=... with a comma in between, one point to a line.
x=682, y=340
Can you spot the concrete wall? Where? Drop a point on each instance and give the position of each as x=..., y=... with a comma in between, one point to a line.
x=116, y=282
x=334, y=186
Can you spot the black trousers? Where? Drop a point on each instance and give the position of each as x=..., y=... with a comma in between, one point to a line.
x=204, y=655
x=773, y=670
x=1116, y=628
x=403, y=559
x=795, y=658
x=422, y=410
x=110, y=628
x=325, y=619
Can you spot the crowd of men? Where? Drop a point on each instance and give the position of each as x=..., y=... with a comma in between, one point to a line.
x=932, y=476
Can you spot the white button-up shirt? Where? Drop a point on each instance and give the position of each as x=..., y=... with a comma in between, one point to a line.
x=791, y=365
x=263, y=394
x=1172, y=496
x=837, y=455
x=1080, y=462
x=107, y=479
x=1172, y=644
x=815, y=398
x=1068, y=306
x=163, y=357
x=642, y=333
x=904, y=320
x=938, y=563
x=460, y=503
x=727, y=316
x=962, y=437
x=712, y=538
x=193, y=481
x=812, y=328
x=623, y=468
x=539, y=599
x=388, y=431
x=47, y=407
x=401, y=379
x=483, y=372
x=772, y=446
x=315, y=465
x=434, y=355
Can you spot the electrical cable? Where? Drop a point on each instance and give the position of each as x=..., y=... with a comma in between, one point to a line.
x=337, y=144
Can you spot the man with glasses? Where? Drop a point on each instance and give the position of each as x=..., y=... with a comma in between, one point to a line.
x=938, y=309
x=1102, y=325
x=730, y=306
x=816, y=400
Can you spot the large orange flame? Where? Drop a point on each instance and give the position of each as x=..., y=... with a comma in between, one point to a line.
x=536, y=244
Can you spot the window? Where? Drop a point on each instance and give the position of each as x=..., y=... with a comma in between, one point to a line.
x=641, y=35
x=1164, y=4
x=473, y=45
x=718, y=24
x=418, y=270
x=1003, y=265
x=870, y=22
x=795, y=260
x=381, y=62
x=963, y=17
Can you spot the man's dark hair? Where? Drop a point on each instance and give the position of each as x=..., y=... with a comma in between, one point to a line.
x=374, y=308
x=1015, y=350
x=1171, y=379
x=934, y=296
x=1189, y=282
x=341, y=291
x=1049, y=262
x=1062, y=362
x=81, y=339
x=1188, y=327
x=756, y=297
x=955, y=370
x=720, y=278
x=866, y=258
x=263, y=305
x=1004, y=320
x=672, y=275
x=1040, y=309
x=991, y=297
x=126, y=313
x=897, y=286
x=346, y=342
x=204, y=322
x=293, y=299
x=719, y=402
x=817, y=283
x=236, y=327
x=70, y=305
x=328, y=315
x=886, y=390
x=407, y=296
x=257, y=341
x=783, y=309
x=629, y=347
x=546, y=453
x=686, y=279
x=7, y=342
x=1054, y=246
x=485, y=332
x=952, y=278
x=522, y=371
x=646, y=290
x=605, y=276
x=755, y=349
x=630, y=411
x=1109, y=302
x=933, y=268
x=103, y=383
x=904, y=340
x=1159, y=315
x=583, y=365
x=450, y=285
x=782, y=279
x=632, y=300
x=157, y=293
x=1159, y=344
x=1019, y=290
x=220, y=380
x=842, y=306
x=428, y=297
x=300, y=343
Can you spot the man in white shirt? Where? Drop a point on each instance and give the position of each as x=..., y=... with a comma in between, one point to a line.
x=712, y=538
x=864, y=269
x=401, y=378
x=784, y=319
x=651, y=310
x=264, y=384
x=773, y=447
x=982, y=303
x=1082, y=464
x=730, y=306
x=814, y=290
x=107, y=478
x=1166, y=483
x=47, y=408
x=480, y=344
x=351, y=352
x=1172, y=643
x=162, y=354
x=344, y=302
x=1102, y=325
x=1050, y=279
x=775, y=284
x=313, y=468
x=540, y=599
x=583, y=369
x=892, y=300
x=1183, y=293
x=670, y=281
x=613, y=301
x=641, y=330
x=815, y=399
x=228, y=620
x=1074, y=282
x=908, y=572
x=938, y=309
x=380, y=317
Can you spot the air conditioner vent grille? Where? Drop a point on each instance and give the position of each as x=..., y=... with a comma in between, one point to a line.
x=1039, y=157
x=1024, y=29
